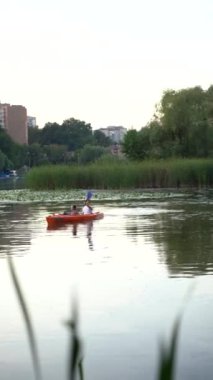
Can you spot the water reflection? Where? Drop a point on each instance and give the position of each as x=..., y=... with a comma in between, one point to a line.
x=75, y=227
x=89, y=234
x=89, y=228
x=121, y=266
x=182, y=232
x=184, y=238
x=14, y=229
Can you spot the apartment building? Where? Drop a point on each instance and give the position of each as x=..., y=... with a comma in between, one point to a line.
x=116, y=134
x=13, y=119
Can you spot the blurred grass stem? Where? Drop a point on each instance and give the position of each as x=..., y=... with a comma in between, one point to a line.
x=27, y=320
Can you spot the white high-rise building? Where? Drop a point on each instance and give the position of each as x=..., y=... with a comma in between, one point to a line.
x=31, y=121
x=116, y=134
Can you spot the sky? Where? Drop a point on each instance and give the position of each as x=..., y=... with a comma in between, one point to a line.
x=103, y=62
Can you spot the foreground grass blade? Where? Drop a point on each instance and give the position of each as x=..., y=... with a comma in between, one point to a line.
x=75, y=356
x=27, y=320
x=80, y=368
x=168, y=355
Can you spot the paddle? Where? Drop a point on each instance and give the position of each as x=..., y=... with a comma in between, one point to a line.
x=89, y=195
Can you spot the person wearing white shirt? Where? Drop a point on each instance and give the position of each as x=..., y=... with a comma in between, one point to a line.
x=87, y=209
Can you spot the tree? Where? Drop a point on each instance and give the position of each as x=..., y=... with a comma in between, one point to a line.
x=160, y=144
x=182, y=126
x=101, y=139
x=77, y=133
x=36, y=155
x=90, y=153
x=131, y=145
x=74, y=134
x=185, y=116
x=55, y=154
x=51, y=134
x=13, y=151
x=34, y=135
x=5, y=163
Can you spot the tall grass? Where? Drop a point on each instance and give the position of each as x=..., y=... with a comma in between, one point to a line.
x=196, y=173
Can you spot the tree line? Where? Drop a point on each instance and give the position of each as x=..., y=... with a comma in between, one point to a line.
x=72, y=141
x=182, y=126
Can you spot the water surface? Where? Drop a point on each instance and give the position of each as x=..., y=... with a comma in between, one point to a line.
x=131, y=272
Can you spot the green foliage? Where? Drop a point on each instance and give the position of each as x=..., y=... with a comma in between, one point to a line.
x=182, y=127
x=78, y=133
x=74, y=134
x=7, y=146
x=5, y=163
x=36, y=155
x=101, y=139
x=14, y=154
x=73, y=141
x=89, y=153
x=107, y=159
x=131, y=144
x=124, y=175
x=34, y=135
x=55, y=153
x=184, y=114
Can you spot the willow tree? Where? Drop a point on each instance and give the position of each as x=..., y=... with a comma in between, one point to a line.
x=186, y=116
x=181, y=127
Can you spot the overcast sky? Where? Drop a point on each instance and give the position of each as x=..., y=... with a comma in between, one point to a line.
x=103, y=62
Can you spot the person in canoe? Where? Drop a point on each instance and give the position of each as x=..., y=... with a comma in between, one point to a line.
x=87, y=209
x=73, y=211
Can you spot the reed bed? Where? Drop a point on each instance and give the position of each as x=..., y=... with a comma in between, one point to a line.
x=194, y=173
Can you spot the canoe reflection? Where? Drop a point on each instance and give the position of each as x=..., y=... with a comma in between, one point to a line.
x=89, y=228
x=89, y=234
x=75, y=227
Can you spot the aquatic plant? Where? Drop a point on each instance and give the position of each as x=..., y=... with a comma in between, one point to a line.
x=176, y=173
x=99, y=196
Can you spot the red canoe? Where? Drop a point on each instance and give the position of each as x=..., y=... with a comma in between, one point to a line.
x=56, y=219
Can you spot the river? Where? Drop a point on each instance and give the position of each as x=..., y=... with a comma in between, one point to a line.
x=132, y=273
